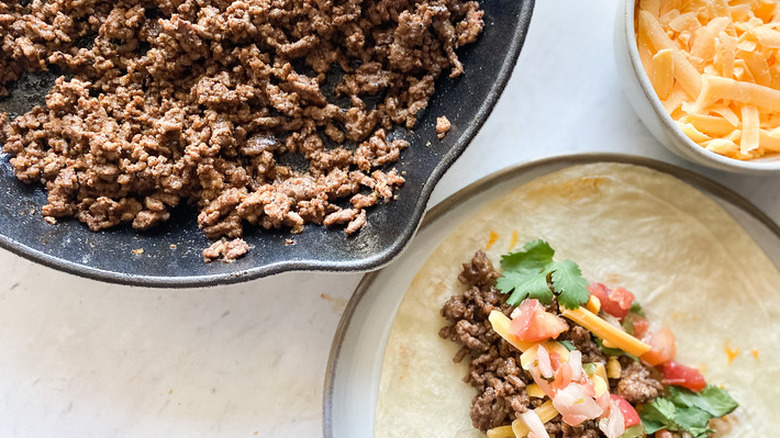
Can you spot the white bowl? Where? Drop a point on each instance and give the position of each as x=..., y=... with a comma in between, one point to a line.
x=648, y=107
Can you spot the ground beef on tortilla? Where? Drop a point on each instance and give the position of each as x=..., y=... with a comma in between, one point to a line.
x=494, y=365
x=638, y=383
x=275, y=114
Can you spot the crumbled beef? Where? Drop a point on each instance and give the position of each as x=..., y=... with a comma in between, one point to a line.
x=207, y=102
x=494, y=365
x=479, y=272
x=494, y=369
x=442, y=126
x=228, y=250
x=559, y=429
x=637, y=383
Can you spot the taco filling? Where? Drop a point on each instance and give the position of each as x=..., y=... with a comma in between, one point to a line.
x=552, y=355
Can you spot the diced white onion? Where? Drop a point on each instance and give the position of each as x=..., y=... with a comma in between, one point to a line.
x=614, y=425
x=576, y=405
x=545, y=366
x=534, y=423
x=575, y=362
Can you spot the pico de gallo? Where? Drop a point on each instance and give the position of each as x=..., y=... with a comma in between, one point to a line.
x=552, y=355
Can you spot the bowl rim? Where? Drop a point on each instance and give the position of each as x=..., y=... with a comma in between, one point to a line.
x=721, y=161
x=702, y=183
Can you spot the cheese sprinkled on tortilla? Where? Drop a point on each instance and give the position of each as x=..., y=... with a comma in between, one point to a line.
x=730, y=353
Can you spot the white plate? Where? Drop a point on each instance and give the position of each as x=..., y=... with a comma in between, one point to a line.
x=356, y=356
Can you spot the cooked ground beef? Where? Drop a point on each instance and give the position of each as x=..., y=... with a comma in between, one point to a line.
x=442, y=126
x=273, y=113
x=638, y=382
x=227, y=250
x=494, y=365
x=588, y=429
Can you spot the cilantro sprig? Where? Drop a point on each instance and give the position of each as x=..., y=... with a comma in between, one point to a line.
x=534, y=273
x=687, y=411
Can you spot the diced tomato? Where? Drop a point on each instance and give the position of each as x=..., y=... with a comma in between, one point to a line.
x=616, y=302
x=630, y=415
x=533, y=324
x=623, y=298
x=641, y=324
x=599, y=291
x=676, y=374
x=664, y=346
x=563, y=377
x=555, y=360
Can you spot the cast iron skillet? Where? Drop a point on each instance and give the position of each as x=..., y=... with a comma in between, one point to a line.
x=172, y=252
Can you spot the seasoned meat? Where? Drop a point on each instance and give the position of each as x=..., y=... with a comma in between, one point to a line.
x=479, y=272
x=227, y=250
x=637, y=385
x=253, y=112
x=442, y=126
x=559, y=429
x=494, y=365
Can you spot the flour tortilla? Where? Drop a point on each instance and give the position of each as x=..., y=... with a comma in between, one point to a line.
x=690, y=265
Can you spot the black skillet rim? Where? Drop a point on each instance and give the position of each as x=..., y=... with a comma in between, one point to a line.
x=374, y=262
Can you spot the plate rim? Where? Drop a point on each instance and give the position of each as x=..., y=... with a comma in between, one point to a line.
x=698, y=181
x=376, y=261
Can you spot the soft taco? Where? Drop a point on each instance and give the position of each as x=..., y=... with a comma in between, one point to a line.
x=602, y=300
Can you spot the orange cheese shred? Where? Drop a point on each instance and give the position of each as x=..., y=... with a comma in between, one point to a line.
x=491, y=240
x=731, y=354
x=715, y=66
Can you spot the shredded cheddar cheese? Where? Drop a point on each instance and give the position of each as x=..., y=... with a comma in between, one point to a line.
x=594, y=304
x=501, y=432
x=535, y=391
x=715, y=65
x=500, y=324
x=492, y=240
x=519, y=429
x=731, y=354
x=614, y=370
x=606, y=331
x=514, y=240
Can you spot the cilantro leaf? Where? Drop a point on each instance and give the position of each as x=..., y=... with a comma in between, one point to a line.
x=589, y=368
x=637, y=308
x=537, y=255
x=525, y=286
x=568, y=282
x=687, y=411
x=628, y=324
x=568, y=344
x=658, y=415
x=532, y=273
x=692, y=420
x=713, y=400
x=525, y=273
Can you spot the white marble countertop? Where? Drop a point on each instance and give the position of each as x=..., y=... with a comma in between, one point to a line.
x=80, y=358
